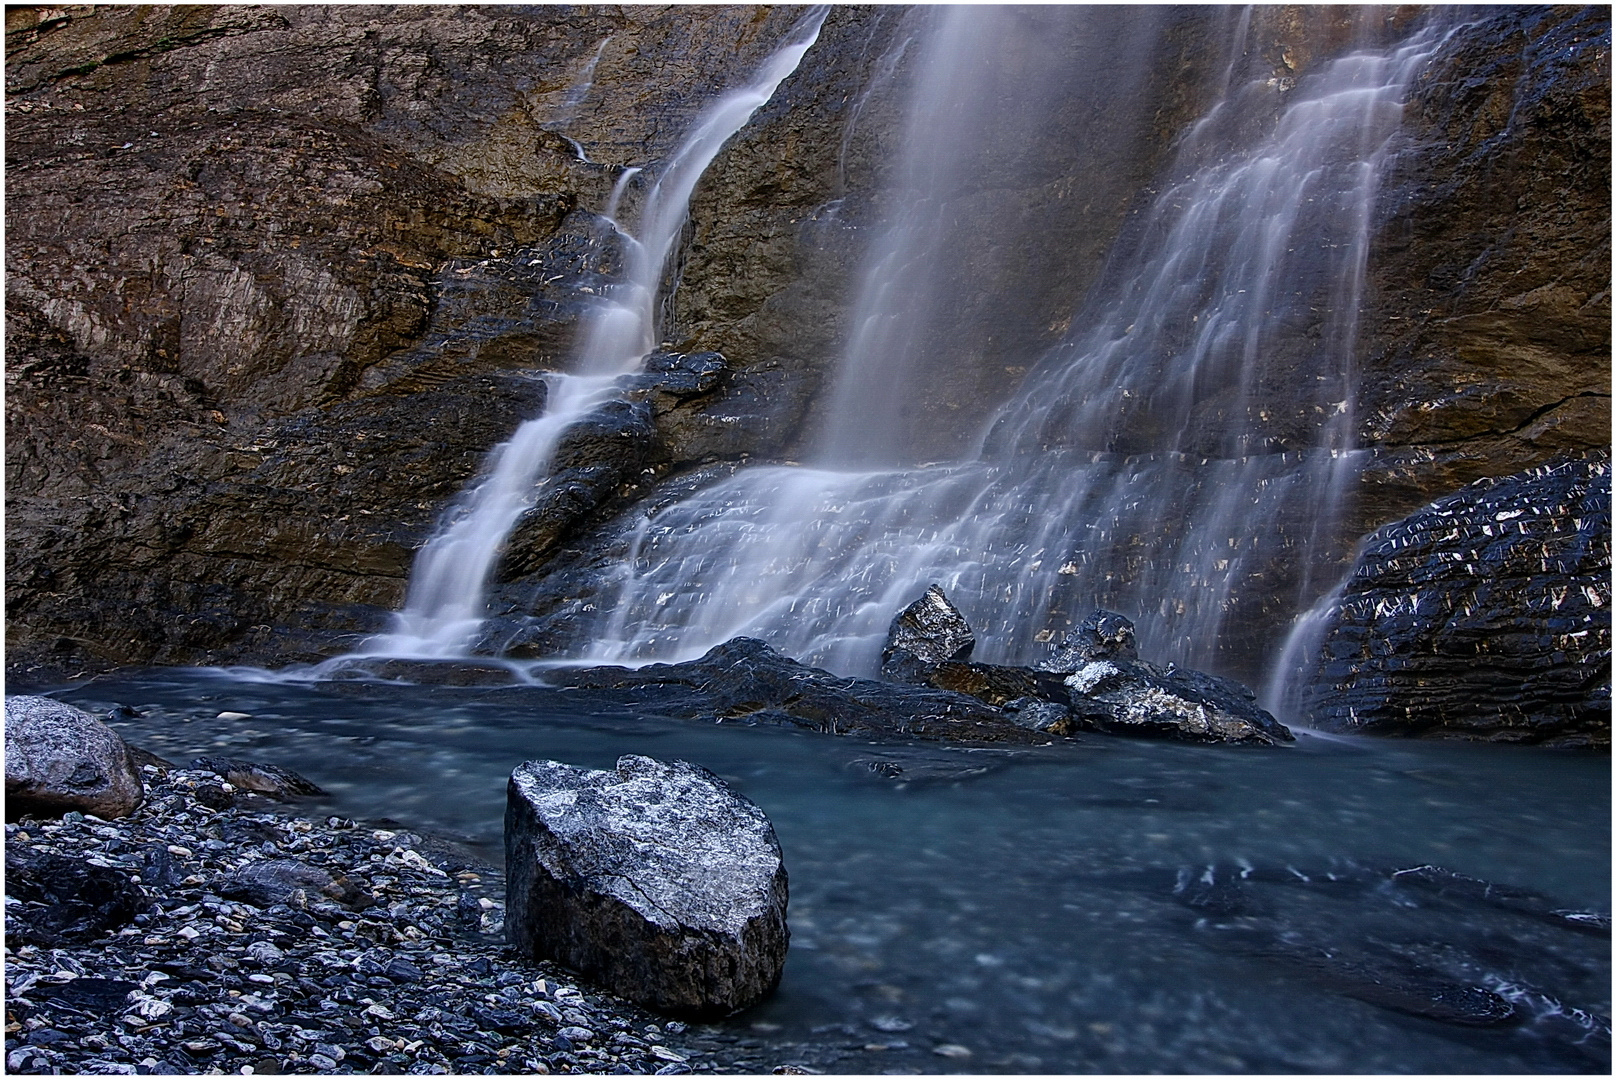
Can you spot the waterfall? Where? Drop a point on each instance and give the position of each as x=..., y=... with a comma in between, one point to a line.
x=446, y=602
x=1182, y=456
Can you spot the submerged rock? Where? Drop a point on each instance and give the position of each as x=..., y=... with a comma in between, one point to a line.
x=655, y=879
x=1485, y=615
x=928, y=632
x=59, y=758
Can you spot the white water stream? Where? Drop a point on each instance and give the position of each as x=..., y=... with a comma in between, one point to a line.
x=1186, y=449
x=446, y=602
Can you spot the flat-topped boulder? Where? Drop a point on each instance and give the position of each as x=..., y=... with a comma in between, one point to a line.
x=654, y=879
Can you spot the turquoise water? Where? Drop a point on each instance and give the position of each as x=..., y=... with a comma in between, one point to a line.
x=1098, y=905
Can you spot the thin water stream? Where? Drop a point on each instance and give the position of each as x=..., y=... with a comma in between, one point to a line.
x=1045, y=909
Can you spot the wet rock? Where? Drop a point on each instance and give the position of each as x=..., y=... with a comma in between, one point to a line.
x=202, y=980
x=1485, y=615
x=59, y=759
x=62, y=899
x=1103, y=635
x=656, y=879
x=928, y=632
x=596, y=456
x=998, y=684
x=1037, y=714
x=747, y=681
x=1131, y=697
x=271, y=780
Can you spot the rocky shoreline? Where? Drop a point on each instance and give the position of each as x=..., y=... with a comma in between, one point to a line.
x=202, y=940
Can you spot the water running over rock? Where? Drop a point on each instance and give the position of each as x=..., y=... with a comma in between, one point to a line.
x=445, y=605
x=1181, y=458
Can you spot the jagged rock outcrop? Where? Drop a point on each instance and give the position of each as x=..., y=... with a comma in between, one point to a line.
x=60, y=758
x=1102, y=635
x=1485, y=615
x=928, y=632
x=656, y=880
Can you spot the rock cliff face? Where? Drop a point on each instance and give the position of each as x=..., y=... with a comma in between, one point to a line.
x=279, y=277
x=1486, y=346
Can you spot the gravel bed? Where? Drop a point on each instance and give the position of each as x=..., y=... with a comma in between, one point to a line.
x=214, y=932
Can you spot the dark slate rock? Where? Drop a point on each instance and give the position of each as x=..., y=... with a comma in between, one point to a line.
x=1103, y=635
x=606, y=449
x=928, y=632
x=91, y=995
x=60, y=758
x=998, y=684
x=748, y=681
x=1485, y=615
x=271, y=780
x=654, y=879
x=272, y=881
x=65, y=900
x=681, y=375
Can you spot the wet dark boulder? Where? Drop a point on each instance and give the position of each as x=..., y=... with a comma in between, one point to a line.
x=1485, y=615
x=655, y=879
x=60, y=758
x=62, y=900
x=1104, y=687
x=928, y=632
x=1131, y=697
x=1103, y=635
x=746, y=681
x=264, y=882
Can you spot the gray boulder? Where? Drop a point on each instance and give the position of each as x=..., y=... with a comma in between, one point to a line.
x=928, y=632
x=60, y=758
x=655, y=880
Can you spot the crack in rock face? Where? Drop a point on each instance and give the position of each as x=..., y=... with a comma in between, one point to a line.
x=654, y=879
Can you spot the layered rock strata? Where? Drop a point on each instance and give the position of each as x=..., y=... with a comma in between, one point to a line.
x=1485, y=615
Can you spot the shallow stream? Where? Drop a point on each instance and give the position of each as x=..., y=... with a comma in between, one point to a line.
x=1100, y=905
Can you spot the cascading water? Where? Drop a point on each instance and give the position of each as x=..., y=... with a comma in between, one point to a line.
x=446, y=600
x=1182, y=457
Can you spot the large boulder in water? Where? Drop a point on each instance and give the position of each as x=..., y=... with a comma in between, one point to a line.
x=928, y=632
x=59, y=758
x=1486, y=615
x=656, y=880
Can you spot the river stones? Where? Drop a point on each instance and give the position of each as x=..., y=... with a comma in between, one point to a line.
x=654, y=879
x=54, y=900
x=928, y=632
x=59, y=758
